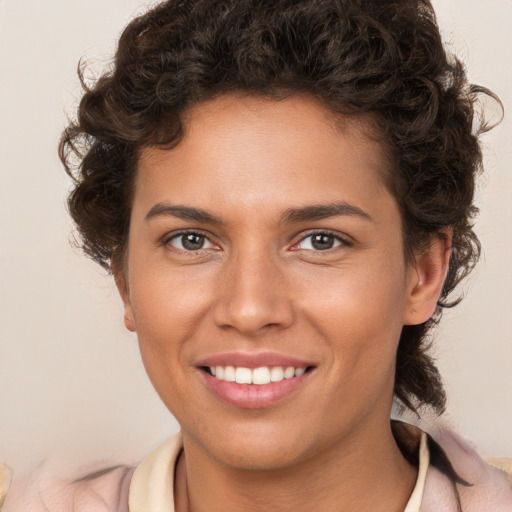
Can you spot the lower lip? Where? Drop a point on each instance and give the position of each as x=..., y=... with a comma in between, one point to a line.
x=254, y=396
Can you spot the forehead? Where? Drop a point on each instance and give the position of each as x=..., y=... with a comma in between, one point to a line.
x=251, y=148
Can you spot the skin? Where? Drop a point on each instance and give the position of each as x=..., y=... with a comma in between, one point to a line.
x=258, y=284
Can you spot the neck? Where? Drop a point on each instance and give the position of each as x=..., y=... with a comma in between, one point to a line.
x=364, y=473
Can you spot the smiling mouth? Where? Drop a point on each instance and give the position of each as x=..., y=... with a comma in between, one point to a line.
x=255, y=376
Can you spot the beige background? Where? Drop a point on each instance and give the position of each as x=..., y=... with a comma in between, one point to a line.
x=71, y=381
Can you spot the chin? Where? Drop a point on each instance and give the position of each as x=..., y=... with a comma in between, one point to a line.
x=259, y=456
x=258, y=446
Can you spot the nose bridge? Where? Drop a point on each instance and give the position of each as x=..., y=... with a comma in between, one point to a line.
x=254, y=292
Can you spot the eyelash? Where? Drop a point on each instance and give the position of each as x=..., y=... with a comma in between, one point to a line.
x=343, y=241
x=176, y=236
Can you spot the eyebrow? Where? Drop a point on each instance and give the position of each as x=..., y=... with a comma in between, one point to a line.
x=182, y=212
x=292, y=215
x=323, y=211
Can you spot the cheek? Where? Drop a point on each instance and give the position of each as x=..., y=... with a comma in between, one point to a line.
x=166, y=321
x=164, y=298
x=168, y=309
x=360, y=315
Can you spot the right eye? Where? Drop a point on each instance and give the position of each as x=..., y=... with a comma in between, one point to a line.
x=320, y=242
x=190, y=242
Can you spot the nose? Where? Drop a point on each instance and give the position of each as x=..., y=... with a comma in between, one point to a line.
x=253, y=295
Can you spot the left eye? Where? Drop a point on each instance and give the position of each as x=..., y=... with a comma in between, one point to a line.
x=190, y=242
x=320, y=242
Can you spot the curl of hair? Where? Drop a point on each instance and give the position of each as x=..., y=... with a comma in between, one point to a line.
x=384, y=58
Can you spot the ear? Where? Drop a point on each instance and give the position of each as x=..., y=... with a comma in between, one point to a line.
x=427, y=278
x=124, y=291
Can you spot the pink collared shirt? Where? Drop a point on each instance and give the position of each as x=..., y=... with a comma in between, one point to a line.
x=149, y=488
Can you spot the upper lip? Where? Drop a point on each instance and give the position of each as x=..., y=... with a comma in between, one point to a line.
x=254, y=360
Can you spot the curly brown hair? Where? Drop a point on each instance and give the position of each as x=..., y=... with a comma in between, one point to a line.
x=384, y=58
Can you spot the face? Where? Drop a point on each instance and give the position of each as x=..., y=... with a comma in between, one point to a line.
x=266, y=249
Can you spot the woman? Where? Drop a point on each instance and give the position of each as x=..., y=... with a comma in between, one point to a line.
x=283, y=192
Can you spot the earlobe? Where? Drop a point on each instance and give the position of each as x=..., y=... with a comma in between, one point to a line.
x=124, y=292
x=129, y=320
x=427, y=279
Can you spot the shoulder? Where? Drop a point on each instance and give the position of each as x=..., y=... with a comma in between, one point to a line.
x=488, y=489
x=102, y=490
x=5, y=482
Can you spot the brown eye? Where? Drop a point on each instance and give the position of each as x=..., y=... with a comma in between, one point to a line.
x=190, y=242
x=320, y=242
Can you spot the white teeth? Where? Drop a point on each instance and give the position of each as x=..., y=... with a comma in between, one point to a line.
x=257, y=376
x=276, y=374
x=229, y=374
x=243, y=375
x=261, y=375
x=289, y=372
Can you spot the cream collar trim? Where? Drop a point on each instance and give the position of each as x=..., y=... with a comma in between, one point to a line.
x=414, y=503
x=151, y=487
x=152, y=483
